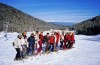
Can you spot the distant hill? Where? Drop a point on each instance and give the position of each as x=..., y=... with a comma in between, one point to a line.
x=88, y=27
x=20, y=21
x=63, y=23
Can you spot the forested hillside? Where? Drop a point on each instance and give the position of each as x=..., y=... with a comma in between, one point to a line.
x=88, y=27
x=20, y=21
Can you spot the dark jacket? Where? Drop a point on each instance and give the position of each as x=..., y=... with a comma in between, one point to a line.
x=46, y=38
x=31, y=40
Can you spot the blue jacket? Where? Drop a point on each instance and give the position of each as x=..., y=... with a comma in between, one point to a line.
x=31, y=40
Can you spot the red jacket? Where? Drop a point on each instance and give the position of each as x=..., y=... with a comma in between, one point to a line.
x=52, y=39
x=68, y=37
x=57, y=38
x=41, y=37
x=72, y=38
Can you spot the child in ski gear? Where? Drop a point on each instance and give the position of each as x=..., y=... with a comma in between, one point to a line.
x=36, y=41
x=31, y=41
x=65, y=41
x=64, y=46
x=61, y=40
x=68, y=38
x=41, y=37
x=52, y=41
x=24, y=45
x=72, y=40
x=57, y=35
x=47, y=43
x=17, y=45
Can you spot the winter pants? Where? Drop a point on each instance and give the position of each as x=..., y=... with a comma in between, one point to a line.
x=18, y=53
x=71, y=44
x=61, y=44
x=47, y=46
x=24, y=51
x=56, y=44
x=40, y=46
x=51, y=47
x=65, y=45
x=31, y=49
x=55, y=47
x=68, y=46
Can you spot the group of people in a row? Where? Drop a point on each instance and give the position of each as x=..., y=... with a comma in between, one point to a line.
x=38, y=43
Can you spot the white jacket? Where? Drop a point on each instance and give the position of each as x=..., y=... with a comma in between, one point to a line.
x=17, y=43
x=61, y=37
x=24, y=42
x=37, y=40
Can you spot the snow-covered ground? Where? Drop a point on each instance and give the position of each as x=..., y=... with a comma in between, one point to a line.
x=86, y=52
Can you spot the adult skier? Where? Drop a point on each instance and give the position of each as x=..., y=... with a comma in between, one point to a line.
x=36, y=42
x=52, y=41
x=57, y=38
x=72, y=40
x=47, y=42
x=68, y=38
x=65, y=41
x=31, y=42
x=24, y=45
x=41, y=38
x=61, y=40
x=17, y=45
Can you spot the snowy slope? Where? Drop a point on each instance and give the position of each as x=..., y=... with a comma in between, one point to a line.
x=86, y=52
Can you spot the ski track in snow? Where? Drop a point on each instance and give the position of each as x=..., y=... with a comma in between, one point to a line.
x=86, y=52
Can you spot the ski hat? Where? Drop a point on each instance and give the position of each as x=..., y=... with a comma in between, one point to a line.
x=32, y=33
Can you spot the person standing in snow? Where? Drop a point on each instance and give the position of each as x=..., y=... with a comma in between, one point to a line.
x=36, y=42
x=52, y=41
x=31, y=41
x=68, y=38
x=41, y=38
x=47, y=43
x=24, y=45
x=72, y=40
x=65, y=41
x=17, y=45
x=61, y=40
x=57, y=38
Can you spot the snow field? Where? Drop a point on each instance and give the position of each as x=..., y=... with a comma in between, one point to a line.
x=86, y=51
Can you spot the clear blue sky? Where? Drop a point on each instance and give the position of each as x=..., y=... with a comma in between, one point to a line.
x=58, y=10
